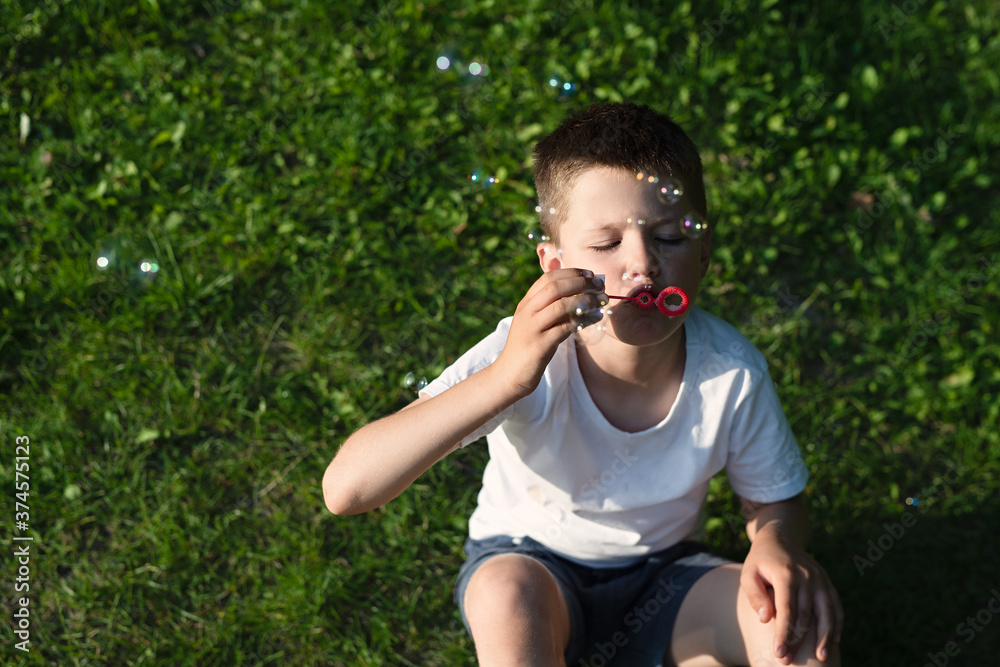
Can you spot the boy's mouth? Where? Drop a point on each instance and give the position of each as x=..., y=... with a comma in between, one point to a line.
x=643, y=296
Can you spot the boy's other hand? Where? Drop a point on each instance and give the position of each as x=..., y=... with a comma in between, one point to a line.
x=784, y=583
x=542, y=321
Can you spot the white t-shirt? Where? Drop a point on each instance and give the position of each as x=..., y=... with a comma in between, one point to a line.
x=561, y=474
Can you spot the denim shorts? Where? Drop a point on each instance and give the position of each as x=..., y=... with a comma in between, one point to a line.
x=618, y=616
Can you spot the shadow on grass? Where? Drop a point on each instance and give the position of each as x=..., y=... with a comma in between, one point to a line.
x=915, y=590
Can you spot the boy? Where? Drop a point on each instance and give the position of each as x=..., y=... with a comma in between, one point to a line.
x=601, y=448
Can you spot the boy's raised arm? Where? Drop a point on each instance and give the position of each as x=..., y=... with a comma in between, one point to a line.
x=382, y=459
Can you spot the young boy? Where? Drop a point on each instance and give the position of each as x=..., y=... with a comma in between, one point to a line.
x=602, y=446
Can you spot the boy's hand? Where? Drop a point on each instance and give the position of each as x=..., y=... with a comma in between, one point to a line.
x=541, y=321
x=783, y=582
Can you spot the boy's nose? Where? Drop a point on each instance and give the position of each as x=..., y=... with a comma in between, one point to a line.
x=643, y=265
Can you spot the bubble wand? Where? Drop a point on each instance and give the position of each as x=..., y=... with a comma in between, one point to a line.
x=646, y=300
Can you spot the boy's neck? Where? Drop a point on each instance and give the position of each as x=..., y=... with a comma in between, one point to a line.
x=634, y=387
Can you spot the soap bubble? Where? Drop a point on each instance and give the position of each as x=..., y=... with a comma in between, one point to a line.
x=692, y=225
x=443, y=63
x=125, y=260
x=537, y=236
x=109, y=256
x=564, y=89
x=668, y=190
x=414, y=382
x=483, y=178
x=590, y=321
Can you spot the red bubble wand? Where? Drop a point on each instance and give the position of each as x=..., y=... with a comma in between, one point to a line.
x=646, y=300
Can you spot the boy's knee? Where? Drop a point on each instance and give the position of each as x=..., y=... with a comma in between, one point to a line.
x=509, y=582
x=512, y=586
x=515, y=610
x=805, y=654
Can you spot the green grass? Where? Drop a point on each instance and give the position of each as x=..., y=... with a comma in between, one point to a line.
x=299, y=175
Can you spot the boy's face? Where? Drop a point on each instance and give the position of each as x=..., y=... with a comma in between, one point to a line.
x=601, y=231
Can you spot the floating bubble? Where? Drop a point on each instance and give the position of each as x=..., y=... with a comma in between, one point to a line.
x=478, y=69
x=912, y=501
x=692, y=225
x=443, y=63
x=537, y=236
x=414, y=382
x=668, y=190
x=589, y=320
x=563, y=88
x=483, y=178
x=126, y=261
x=109, y=257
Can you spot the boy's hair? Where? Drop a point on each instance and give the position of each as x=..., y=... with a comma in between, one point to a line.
x=620, y=135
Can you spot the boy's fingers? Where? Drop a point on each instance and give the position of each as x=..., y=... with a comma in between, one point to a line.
x=562, y=315
x=785, y=615
x=803, y=620
x=758, y=597
x=556, y=291
x=825, y=619
x=562, y=282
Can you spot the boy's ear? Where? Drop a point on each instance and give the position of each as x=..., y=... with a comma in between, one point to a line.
x=706, y=251
x=548, y=256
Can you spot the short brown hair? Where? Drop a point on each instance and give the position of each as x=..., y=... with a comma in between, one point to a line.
x=620, y=135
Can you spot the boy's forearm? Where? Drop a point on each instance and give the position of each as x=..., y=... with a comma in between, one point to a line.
x=382, y=459
x=789, y=517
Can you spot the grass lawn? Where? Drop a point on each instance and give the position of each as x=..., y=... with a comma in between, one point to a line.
x=293, y=176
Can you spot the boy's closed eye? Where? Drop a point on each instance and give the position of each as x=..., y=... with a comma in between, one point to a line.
x=660, y=240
